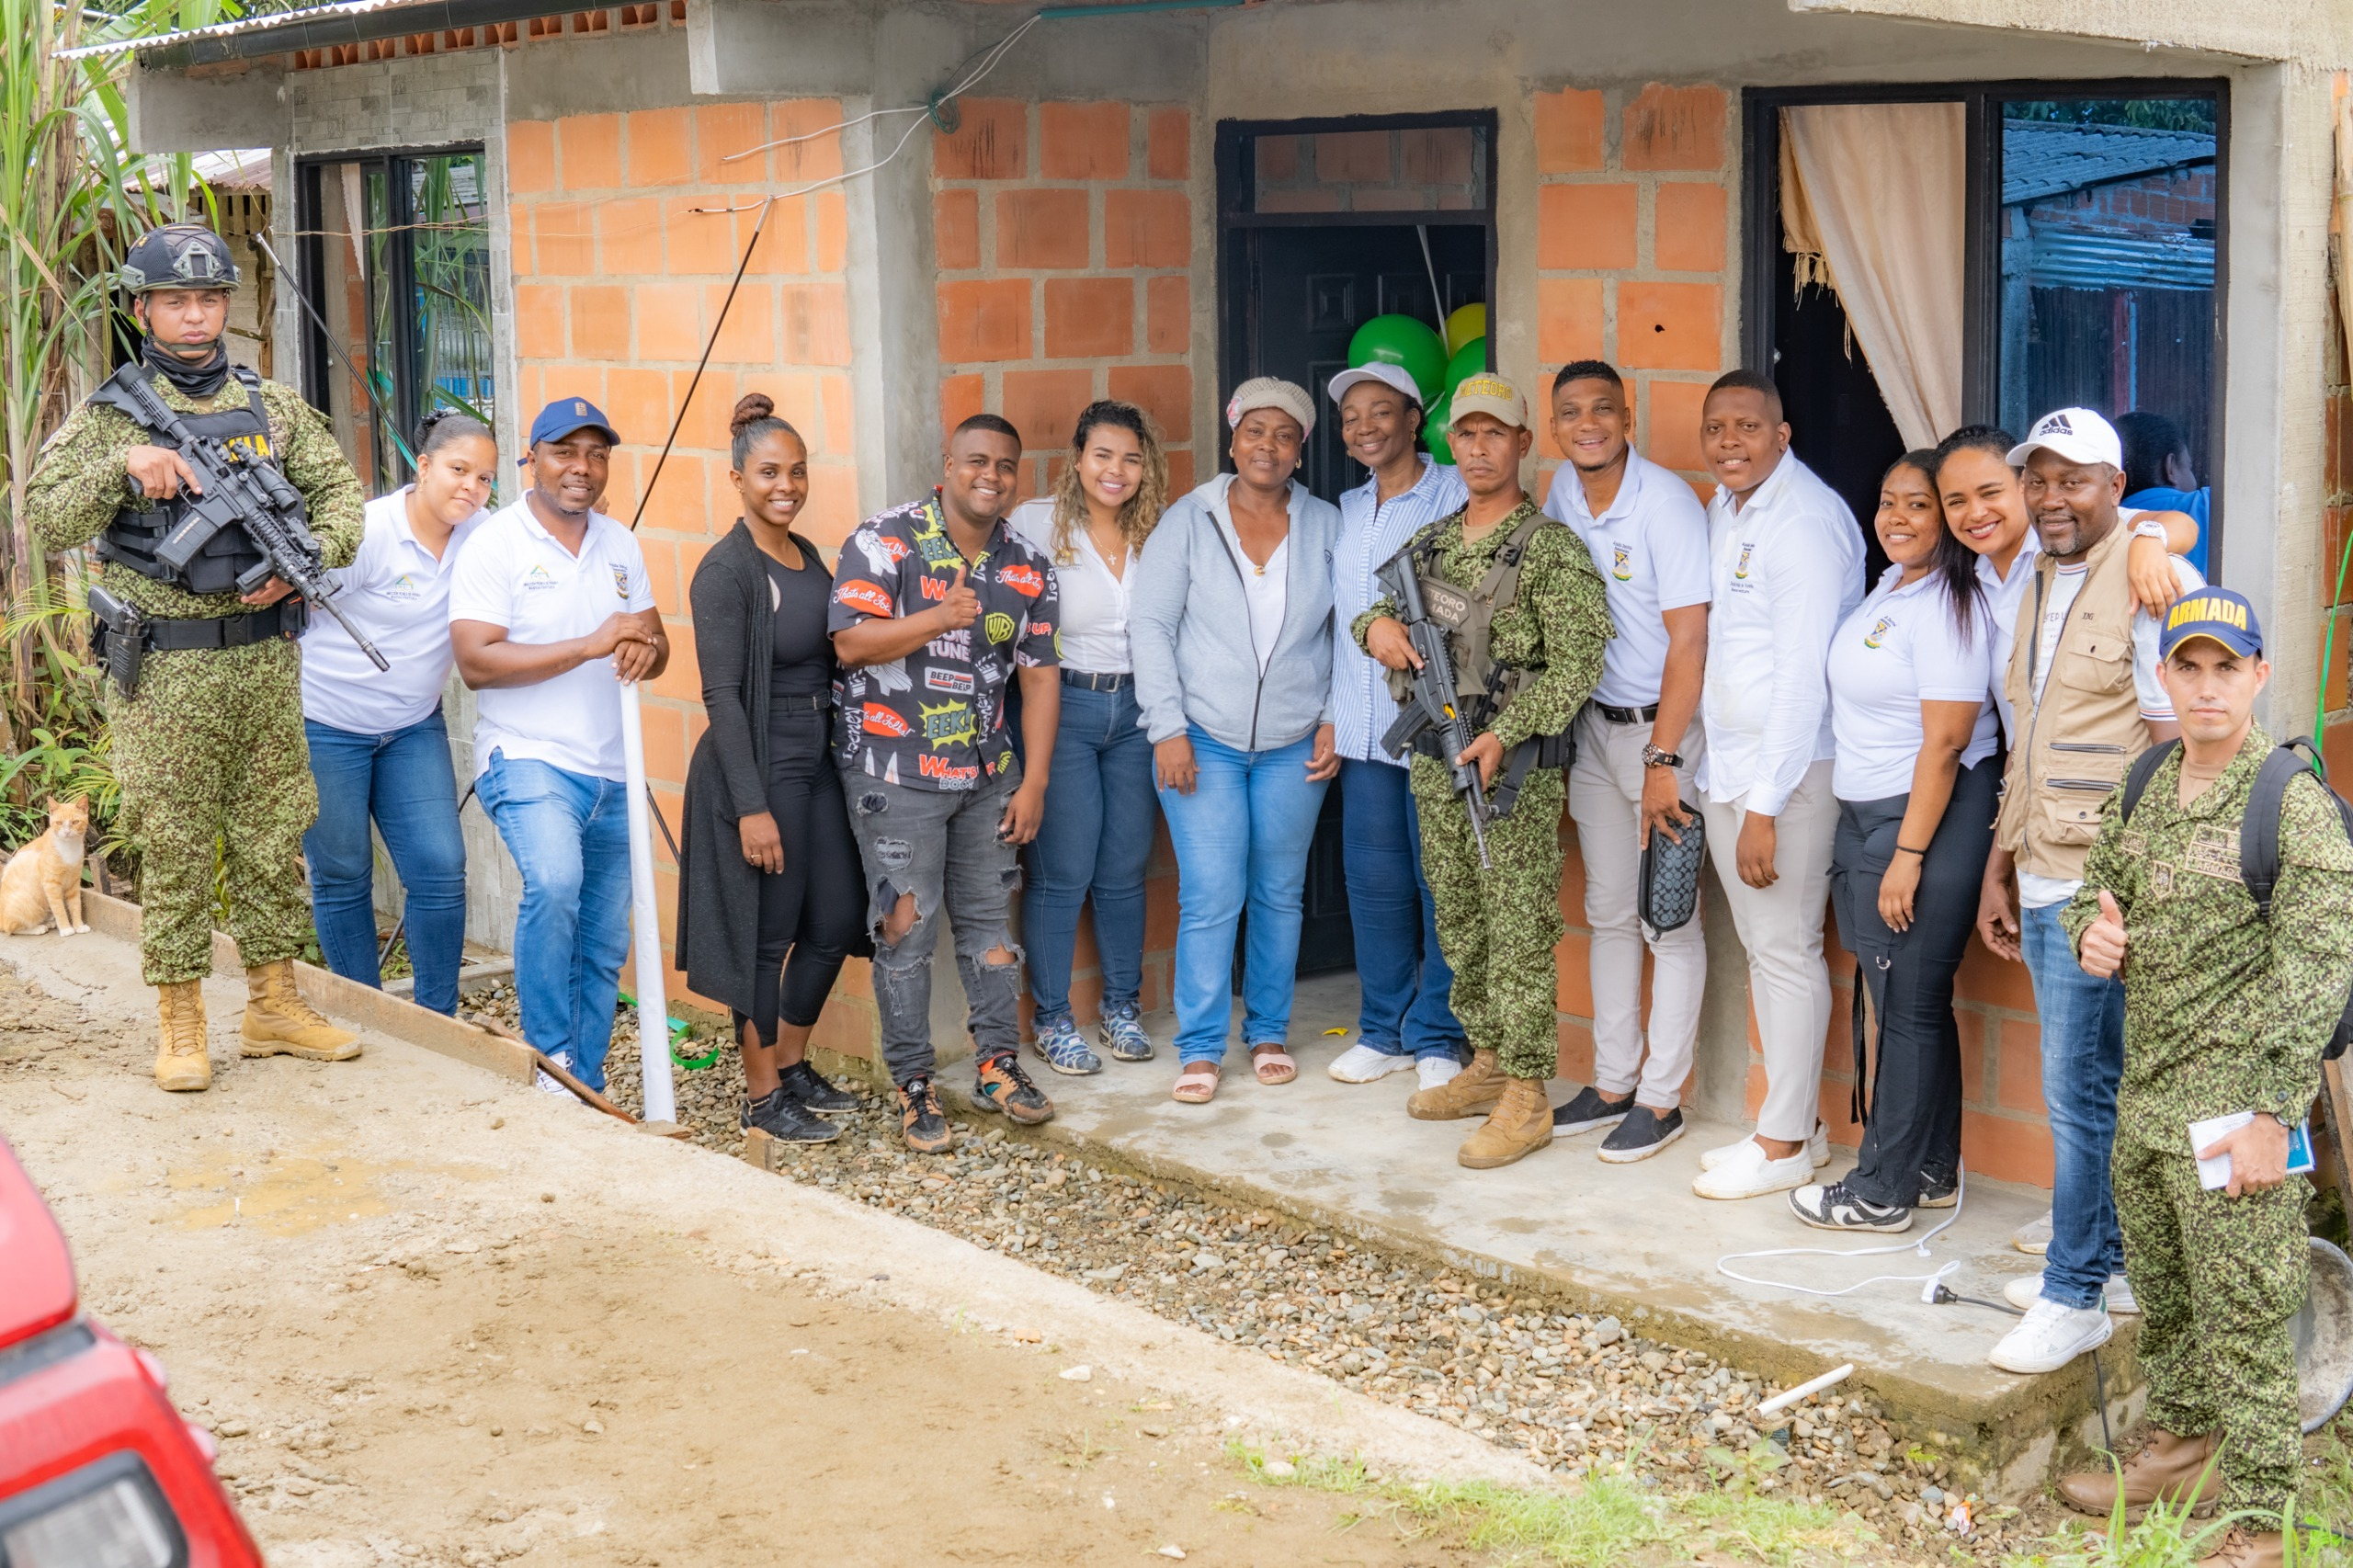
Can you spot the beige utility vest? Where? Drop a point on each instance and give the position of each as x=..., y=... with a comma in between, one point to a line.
x=2074, y=746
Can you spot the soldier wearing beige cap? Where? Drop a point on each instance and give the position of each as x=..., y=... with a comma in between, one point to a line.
x=1527, y=653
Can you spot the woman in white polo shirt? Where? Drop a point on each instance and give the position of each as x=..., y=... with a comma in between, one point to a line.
x=1914, y=773
x=1095, y=837
x=379, y=749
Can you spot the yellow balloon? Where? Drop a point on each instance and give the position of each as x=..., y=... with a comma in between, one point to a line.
x=1467, y=323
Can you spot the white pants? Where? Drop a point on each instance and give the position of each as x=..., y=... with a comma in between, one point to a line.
x=1788, y=986
x=1606, y=799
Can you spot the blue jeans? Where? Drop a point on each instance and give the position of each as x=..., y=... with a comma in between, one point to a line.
x=569, y=834
x=2083, y=1057
x=405, y=783
x=1402, y=976
x=1241, y=838
x=1095, y=837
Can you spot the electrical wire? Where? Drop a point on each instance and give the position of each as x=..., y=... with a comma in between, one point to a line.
x=1918, y=1246
x=828, y=130
x=2328, y=643
x=700, y=365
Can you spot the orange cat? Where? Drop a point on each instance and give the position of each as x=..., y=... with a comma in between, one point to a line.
x=42, y=880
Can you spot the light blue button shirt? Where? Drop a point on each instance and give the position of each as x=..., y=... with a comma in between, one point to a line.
x=1371, y=530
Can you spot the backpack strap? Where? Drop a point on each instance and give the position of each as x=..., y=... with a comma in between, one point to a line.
x=2259, y=829
x=2144, y=768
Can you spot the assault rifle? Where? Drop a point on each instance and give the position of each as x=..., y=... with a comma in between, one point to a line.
x=1430, y=705
x=238, y=493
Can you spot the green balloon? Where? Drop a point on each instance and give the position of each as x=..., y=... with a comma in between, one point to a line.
x=1401, y=340
x=1442, y=417
x=1470, y=359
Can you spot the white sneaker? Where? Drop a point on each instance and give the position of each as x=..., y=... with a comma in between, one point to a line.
x=2049, y=1336
x=547, y=1085
x=2033, y=1238
x=1363, y=1065
x=2024, y=1292
x=1753, y=1174
x=1437, y=1070
x=1818, y=1147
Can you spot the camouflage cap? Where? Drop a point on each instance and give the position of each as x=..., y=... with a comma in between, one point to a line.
x=179, y=255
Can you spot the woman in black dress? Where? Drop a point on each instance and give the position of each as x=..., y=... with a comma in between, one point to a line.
x=770, y=898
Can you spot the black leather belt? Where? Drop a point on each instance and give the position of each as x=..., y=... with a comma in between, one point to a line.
x=1627, y=715
x=1094, y=682
x=226, y=632
x=807, y=702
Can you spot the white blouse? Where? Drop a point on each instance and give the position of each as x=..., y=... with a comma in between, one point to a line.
x=1094, y=597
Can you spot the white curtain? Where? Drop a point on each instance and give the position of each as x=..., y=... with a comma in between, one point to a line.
x=1873, y=201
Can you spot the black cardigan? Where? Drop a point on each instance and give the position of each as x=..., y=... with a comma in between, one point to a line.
x=718, y=891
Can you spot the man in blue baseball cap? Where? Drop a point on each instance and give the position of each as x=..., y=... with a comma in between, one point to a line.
x=549, y=606
x=2228, y=1003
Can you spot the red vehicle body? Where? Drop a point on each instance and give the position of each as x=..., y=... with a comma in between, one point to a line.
x=96, y=1469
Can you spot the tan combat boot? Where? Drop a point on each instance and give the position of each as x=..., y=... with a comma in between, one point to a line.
x=2247, y=1549
x=1521, y=1124
x=279, y=1022
x=1471, y=1092
x=181, y=1064
x=2169, y=1468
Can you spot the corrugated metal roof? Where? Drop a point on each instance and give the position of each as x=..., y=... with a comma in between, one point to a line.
x=2045, y=158
x=244, y=24
x=2073, y=258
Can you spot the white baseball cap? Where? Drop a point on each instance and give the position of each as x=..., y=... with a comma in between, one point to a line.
x=1394, y=377
x=2076, y=433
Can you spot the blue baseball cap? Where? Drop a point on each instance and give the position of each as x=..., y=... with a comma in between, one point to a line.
x=567, y=415
x=2216, y=613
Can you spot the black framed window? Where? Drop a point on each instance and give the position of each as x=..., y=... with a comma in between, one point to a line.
x=2096, y=265
x=395, y=260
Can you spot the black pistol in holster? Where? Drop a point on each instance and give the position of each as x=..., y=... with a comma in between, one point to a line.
x=233, y=493
x=118, y=638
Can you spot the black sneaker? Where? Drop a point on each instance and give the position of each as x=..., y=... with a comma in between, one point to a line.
x=804, y=1082
x=1001, y=1085
x=1830, y=1205
x=776, y=1114
x=1939, y=1192
x=921, y=1121
x=1643, y=1133
x=1589, y=1112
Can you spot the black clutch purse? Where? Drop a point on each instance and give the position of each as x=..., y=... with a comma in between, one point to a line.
x=1669, y=895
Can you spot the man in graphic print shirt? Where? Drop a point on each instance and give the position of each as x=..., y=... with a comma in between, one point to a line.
x=936, y=606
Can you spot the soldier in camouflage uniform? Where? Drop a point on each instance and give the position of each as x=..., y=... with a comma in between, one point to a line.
x=208, y=746
x=2225, y=1011
x=1498, y=924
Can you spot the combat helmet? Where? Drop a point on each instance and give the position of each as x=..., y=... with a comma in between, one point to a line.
x=179, y=255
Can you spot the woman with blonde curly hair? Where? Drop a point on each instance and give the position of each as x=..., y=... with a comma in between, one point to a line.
x=1096, y=832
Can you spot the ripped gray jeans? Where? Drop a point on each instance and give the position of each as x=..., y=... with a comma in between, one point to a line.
x=942, y=846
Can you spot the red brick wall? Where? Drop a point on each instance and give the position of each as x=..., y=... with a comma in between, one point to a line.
x=618, y=281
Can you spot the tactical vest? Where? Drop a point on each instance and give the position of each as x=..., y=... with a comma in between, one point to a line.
x=131, y=539
x=1483, y=688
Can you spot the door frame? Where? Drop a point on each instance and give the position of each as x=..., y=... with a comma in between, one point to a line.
x=1238, y=227
x=1982, y=257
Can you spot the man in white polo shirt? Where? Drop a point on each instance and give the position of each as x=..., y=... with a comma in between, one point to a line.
x=549, y=608
x=1787, y=567
x=1638, y=746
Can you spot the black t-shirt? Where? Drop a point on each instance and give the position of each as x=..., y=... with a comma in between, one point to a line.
x=802, y=662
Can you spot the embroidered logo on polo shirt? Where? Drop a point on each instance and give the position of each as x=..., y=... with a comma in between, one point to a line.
x=1740, y=567
x=538, y=579
x=1621, y=562
x=621, y=581
x=403, y=587
x=1878, y=633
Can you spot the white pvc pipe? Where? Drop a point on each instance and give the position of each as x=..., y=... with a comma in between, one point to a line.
x=645, y=920
x=1788, y=1397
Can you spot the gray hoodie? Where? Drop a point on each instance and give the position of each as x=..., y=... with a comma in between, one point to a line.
x=1189, y=627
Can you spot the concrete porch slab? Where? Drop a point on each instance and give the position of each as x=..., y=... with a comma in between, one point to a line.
x=1631, y=1239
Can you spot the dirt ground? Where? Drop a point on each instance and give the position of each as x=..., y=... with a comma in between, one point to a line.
x=437, y=1319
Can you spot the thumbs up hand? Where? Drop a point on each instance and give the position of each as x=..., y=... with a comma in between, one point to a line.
x=962, y=605
x=2102, y=948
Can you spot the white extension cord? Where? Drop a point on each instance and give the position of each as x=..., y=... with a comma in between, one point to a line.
x=1917, y=1246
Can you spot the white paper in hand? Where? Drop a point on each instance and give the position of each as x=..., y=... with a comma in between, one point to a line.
x=2216, y=1172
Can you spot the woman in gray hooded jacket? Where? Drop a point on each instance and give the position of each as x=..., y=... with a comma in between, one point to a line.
x=1231, y=630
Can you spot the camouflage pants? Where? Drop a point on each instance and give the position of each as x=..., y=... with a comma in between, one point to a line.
x=1497, y=927
x=209, y=752
x=2219, y=1278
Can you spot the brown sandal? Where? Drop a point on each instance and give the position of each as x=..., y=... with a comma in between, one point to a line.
x=1272, y=1064
x=1197, y=1084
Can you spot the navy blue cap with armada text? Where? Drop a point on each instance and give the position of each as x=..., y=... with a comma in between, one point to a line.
x=566, y=416
x=2215, y=613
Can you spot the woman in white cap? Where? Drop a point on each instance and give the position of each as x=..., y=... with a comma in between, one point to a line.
x=1231, y=631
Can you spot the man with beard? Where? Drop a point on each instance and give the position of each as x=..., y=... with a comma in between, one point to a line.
x=549, y=607
x=937, y=605
x=208, y=742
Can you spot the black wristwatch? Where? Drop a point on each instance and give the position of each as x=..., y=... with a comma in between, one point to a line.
x=1654, y=757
